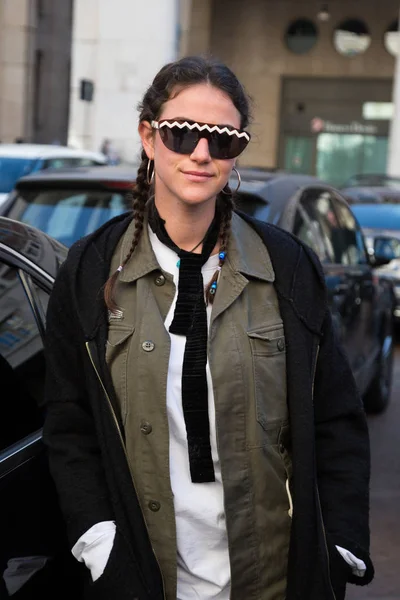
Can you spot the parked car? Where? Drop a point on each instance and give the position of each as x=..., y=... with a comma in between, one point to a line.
x=35, y=558
x=381, y=226
x=70, y=203
x=372, y=180
x=361, y=300
x=372, y=188
x=17, y=160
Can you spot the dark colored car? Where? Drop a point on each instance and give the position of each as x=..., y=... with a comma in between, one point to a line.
x=372, y=188
x=35, y=558
x=361, y=301
x=381, y=226
x=372, y=180
x=70, y=203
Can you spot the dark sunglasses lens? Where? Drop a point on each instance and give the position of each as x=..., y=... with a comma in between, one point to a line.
x=223, y=145
x=182, y=141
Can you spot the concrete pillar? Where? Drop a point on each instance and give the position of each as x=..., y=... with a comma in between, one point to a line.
x=393, y=166
x=195, y=26
x=15, y=68
x=185, y=19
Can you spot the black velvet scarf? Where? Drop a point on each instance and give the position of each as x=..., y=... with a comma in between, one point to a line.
x=190, y=319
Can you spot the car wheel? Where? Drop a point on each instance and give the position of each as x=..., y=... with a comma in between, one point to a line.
x=377, y=396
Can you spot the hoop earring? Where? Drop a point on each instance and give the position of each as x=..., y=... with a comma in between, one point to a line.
x=150, y=178
x=230, y=193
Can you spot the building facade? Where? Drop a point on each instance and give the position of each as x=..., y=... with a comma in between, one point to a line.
x=35, y=50
x=320, y=76
x=117, y=49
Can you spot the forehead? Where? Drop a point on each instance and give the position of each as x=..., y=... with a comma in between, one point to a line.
x=204, y=103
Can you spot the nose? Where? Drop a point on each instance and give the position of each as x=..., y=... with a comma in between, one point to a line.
x=201, y=153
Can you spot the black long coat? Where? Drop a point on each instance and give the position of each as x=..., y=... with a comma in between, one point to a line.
x=330, y=446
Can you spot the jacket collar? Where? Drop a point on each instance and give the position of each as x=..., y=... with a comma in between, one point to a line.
x=143, y=260
x=246, y=253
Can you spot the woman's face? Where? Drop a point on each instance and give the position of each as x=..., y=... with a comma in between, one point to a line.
x=191, y=178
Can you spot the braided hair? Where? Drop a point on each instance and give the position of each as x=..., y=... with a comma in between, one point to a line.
x=226, y=205
x=171, y=79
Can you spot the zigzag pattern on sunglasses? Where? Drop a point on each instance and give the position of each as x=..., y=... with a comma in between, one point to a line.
x=182, y=136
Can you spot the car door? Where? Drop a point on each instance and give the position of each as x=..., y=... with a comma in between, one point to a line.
x=317, y=205
x=35, y=559
x=360, y=273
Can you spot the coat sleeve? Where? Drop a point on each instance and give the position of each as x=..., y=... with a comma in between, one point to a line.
x=342, y=452
x=69, y=432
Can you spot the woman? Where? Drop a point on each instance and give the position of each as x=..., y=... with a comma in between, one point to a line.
x=204, y=429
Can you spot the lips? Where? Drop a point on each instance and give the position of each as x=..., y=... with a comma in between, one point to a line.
x=198, y=173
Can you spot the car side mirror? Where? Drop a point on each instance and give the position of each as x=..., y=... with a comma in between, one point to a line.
x=385, y=250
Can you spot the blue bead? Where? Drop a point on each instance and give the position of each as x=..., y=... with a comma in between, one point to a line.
x=212, y=291
x=214, y=285
x=222, y=255
x=178, y=264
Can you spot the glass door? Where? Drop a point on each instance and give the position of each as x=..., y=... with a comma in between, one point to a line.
x=299, y=154
x=340, y=156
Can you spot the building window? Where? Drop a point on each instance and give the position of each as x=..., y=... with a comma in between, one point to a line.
x=301, y=36
x=391, y=38
x=378, y=111
x=351, y=38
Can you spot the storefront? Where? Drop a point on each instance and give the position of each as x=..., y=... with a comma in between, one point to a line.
x=334, y=128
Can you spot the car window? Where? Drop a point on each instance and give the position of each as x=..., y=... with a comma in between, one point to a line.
x=11, y=169
x=22, y=364
x=69, y=162
x=308, y=232
x=351, y=238
x=87, y=162
x=68, y=215
x=318, y=206
x=59, y=163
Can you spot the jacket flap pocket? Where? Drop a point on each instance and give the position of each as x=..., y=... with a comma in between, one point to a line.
x=118, y=333
x=266, y=342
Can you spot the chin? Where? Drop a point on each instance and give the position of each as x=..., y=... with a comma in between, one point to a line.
x=197, y=196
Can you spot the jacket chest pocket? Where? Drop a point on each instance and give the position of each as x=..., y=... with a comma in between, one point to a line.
x=117, y=348
x=268, y=350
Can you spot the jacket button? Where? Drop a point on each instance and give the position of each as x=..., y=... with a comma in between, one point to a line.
x=145, y=427
x=154, y=505
x=148, y=346
x=281, y=345
x=159, y=280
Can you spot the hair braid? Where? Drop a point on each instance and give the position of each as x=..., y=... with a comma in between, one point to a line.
x=227, y=206
x=140, y=195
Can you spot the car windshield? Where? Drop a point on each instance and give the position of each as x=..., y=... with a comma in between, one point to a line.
x=68, y=215
x=377, y=216
x=11, y=169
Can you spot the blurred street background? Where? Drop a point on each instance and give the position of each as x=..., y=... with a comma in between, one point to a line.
x=325, y=82
x=321, y=74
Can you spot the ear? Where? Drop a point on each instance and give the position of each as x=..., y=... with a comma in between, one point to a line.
x=147, y=136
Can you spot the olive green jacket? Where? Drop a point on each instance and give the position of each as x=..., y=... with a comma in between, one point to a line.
x=246, y=353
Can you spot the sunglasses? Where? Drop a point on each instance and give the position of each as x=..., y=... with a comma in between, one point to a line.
x=183, y=136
